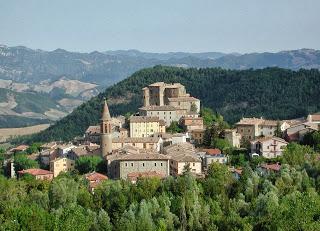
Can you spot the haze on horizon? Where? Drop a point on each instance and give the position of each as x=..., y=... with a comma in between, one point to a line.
x=161, y=26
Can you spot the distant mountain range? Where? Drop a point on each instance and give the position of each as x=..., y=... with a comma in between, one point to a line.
x=67, y=79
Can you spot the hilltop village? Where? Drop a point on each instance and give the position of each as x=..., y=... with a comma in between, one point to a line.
x=171, y=134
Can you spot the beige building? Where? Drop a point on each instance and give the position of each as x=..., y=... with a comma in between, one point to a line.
x=233, y=137
x=61, y=165
x=39, y=174
x=191, y=123
x=183, y=154
x=145, y=126
x=149, y=143
x=268, y=147
x=162, y=94
x=165, y=113
x=197, y=135
x=297, y=131
x=314, y=118
x=250, y=128
x=120, y=166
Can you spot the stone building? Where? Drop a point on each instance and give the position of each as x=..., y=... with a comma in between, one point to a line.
x=250, y=128
x=121, y=165
x=233, y=137
x=161, y=94
x=197, y=135
x=165, y=113
x=149, y=143
x=145, y=126
x=191, y=123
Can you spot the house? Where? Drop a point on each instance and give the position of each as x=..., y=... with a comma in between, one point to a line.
x=236, y=172
x=197, y=135
x=149, y=143
x=92, y=134
x=94, y=179
x=250, y=128
x=191, y=123
x=183, y=155
x=134, y=176
x=233, y=137
x=63, y=149
x=268, y=147
x=48, y=146
x=20, y=148
x=122, y=164
x=39, y=174
x=213, y=155
x=61, y=165
x=314, y=118
x=297, y=131
x=84, y=150
x=179, y=138
x=265, y=169
x=145, y=126
x=123, y=133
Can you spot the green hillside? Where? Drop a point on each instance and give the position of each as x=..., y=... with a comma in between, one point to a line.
x=271, y=92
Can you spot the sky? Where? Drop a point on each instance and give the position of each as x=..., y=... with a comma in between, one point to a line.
x=161, y=25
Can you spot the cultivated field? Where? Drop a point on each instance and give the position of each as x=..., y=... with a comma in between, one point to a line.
x=6, y=133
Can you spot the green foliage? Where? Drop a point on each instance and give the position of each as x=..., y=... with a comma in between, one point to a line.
x=313, y=140
x=174, y=128
x=295, y=154
x=21, y=161
x=277, y=94
x=86, y=164
x=34, y=148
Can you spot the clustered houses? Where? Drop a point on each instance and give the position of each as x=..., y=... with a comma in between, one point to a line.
x=139, y=147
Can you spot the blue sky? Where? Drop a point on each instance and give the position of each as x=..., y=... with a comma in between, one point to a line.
x=162, y=25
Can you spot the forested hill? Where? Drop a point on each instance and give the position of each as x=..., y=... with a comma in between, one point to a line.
x=271, y=92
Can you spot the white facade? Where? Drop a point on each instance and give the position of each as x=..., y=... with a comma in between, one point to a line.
x=271, y=147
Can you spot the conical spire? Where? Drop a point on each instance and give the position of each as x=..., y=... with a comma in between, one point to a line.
x=105, y=113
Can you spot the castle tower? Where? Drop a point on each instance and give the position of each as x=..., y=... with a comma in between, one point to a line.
x=106, y=132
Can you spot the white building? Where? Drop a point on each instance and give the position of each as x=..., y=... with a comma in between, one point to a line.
x=268, y=147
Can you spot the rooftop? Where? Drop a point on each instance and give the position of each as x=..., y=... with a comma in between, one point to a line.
x=158, y=108
x=35, y=171
x=263, y=139
x=144, y=119
x=136, y=140
x=95, y=176
x=212, y=151
x=275, y=167
x=183, y=99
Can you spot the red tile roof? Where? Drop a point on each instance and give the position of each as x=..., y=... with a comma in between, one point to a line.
x=275, y=167
x=35, y=172
x=94, y=176
x=20, y=148
x=212, y=151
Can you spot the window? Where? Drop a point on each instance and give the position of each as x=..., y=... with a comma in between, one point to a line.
x=131, y=164
x=194, y=164
x=161, y=164
x=155, y=164
x=126, y=164
x=143, y=164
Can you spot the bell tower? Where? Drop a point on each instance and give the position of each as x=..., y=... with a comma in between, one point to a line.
x=106, y=132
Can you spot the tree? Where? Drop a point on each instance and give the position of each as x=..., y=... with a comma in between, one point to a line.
x=174, y=127
x=34, y=148
x=21, y=161
x=85, y=164
x=295, y=154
